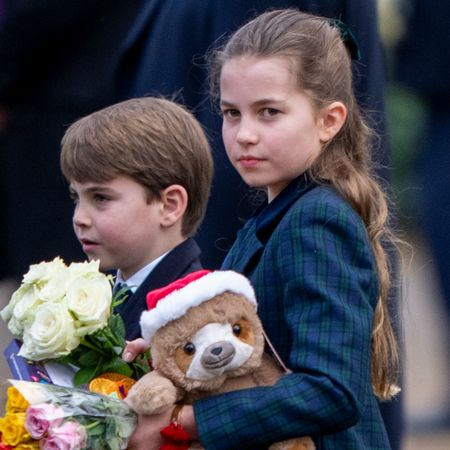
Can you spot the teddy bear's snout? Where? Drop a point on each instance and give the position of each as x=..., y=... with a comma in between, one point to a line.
x=218, y=355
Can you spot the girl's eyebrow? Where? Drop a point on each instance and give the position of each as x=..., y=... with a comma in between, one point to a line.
x=261, y=102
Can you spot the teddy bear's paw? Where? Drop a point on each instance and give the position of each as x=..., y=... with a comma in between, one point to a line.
x=152, y=394
x=304, y=443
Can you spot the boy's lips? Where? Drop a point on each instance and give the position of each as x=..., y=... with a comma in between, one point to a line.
x=88, y=244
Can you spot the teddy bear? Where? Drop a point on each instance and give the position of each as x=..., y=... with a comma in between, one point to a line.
x=205, y=338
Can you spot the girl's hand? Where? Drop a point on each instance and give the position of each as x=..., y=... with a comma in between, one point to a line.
x=133, y=349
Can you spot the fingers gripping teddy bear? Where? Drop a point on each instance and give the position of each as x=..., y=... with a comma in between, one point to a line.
x=206, y=338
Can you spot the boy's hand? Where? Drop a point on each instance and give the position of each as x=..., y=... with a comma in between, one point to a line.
x=146, y=436
x=133, y=349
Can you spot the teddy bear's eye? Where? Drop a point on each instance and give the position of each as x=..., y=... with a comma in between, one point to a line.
x=189, y=348
x=237, y=329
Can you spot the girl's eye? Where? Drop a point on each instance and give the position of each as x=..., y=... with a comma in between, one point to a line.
x=270, y=112
x=230, y=113
x=189, y=348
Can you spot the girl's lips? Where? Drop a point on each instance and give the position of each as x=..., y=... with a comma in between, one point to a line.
x=249, y=161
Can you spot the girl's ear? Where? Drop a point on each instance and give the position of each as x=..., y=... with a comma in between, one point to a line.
x=331, y=120
x=174, y=200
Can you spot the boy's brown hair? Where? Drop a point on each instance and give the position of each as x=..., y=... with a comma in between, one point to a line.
x=154, y=141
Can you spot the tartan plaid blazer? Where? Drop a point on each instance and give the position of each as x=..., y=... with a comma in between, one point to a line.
x=309, y=258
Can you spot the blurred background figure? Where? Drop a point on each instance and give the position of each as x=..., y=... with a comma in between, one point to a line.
x=416, y=34
x=57, y=62
x=422, y=63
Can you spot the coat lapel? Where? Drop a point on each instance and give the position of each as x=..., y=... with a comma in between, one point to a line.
x=244, y=256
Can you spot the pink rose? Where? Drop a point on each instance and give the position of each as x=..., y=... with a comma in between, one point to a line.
x=39, y=418
x=69, y=436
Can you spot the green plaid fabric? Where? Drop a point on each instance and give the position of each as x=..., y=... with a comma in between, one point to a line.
x=309, y=258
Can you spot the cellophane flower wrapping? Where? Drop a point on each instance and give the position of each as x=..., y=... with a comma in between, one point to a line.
x=49, y=417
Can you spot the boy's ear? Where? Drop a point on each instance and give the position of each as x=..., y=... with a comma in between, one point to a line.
x=174, y=200
x=332, y=119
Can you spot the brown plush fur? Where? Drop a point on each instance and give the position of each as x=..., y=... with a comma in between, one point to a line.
x=168, y=383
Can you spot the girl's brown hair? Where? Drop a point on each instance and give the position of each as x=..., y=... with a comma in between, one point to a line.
x=323, y=69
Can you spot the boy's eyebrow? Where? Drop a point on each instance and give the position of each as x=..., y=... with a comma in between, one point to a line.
x=93, y=188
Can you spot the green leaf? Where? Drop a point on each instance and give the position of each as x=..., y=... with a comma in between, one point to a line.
x=84, y=375
x=117, y=365
x=117, y=326
x=89, y=359
x=98, y=430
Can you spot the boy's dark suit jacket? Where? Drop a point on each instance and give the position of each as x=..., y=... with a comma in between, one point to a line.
x=182, y=260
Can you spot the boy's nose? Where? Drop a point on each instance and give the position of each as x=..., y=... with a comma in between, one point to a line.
x=80, y=217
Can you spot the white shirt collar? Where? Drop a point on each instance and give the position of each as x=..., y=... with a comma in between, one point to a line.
x=137, y=278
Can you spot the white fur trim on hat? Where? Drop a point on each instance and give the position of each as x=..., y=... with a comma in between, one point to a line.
x=175, y=304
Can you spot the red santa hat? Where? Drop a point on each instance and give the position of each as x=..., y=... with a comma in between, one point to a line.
x=172, y=301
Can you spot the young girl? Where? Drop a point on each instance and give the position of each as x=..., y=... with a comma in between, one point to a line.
x=315, y=252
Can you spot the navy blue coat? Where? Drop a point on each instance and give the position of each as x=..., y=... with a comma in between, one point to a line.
x=309, y=258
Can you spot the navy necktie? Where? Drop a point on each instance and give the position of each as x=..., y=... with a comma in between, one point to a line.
x=125, y=292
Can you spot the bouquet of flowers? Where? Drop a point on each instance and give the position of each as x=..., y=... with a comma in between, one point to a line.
x=50, y=417
x=65, y=313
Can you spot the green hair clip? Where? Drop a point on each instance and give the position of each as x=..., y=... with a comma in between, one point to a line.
x=348, y=37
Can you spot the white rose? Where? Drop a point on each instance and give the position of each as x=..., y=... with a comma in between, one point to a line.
x=24, y=310
x=85, y=268
x=23, y=291
x=51, y=335
x=49, y=278
x=44, y=271
x=89, y=299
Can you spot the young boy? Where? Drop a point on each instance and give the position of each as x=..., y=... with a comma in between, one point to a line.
x=140, y=175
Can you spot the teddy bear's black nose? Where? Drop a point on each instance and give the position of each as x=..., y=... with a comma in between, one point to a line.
x=218, y=355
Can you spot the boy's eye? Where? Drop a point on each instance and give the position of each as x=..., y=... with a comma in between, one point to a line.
x=73, y=196
x=100, y=198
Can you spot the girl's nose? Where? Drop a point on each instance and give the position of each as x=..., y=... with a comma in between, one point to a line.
x=247, y=133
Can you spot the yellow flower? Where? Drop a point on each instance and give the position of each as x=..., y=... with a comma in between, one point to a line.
x=16, y=401
x=12, y=427
x=30, y=445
